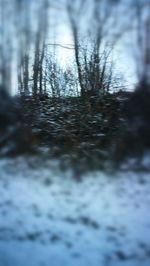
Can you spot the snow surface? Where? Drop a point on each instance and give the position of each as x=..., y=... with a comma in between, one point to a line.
x=50, y=218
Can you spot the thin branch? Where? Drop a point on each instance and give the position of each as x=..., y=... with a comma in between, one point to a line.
x=60, y=45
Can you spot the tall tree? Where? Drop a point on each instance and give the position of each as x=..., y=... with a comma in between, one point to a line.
x=75, y=11
x=39, y=51
x=5, y=44
x=142, y=19
x=93, y=21
x=24, y=36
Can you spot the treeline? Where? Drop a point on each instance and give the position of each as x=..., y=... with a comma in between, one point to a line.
x=29, y=60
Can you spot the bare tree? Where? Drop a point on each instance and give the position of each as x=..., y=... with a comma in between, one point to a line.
x=61, y=82
x=75, y=14
x=40, y=47
x=92, y=59
x=24, y=39
x=142, y=47
x=5, y=45
x=45, y=29
x=146, y=74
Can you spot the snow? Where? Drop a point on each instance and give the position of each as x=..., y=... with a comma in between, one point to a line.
x=48, y=217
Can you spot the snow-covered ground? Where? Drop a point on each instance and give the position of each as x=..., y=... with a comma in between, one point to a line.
x=49, y=218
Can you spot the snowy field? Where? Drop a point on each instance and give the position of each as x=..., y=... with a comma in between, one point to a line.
x=49, y=218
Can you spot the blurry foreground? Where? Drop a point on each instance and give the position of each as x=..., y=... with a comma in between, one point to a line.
x=49, y=218
x=74, y=133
